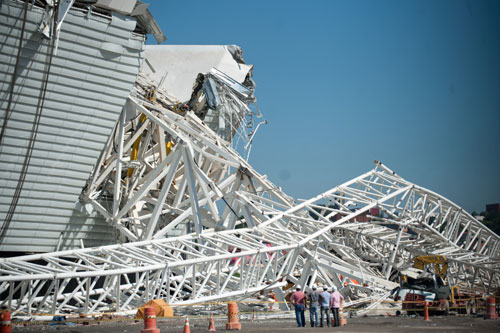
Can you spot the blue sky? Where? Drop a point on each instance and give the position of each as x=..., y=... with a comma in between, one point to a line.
x=414, y=84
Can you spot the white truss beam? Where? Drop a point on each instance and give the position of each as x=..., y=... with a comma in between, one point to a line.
x=196, y=223
x=218, y=264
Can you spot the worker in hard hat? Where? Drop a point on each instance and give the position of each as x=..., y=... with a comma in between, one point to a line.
x=335, y=301
x=313, y=303
x=298, y=300
x=324, y=298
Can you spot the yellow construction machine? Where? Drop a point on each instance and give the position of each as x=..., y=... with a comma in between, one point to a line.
x=440, y=264
x=420, y=283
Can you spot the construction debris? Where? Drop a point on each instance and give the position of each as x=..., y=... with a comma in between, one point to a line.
x=196, y=224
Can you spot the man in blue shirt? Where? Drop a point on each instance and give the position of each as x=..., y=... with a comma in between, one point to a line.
x=325, y=305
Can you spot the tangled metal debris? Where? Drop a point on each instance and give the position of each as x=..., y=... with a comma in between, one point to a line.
x=195, y=222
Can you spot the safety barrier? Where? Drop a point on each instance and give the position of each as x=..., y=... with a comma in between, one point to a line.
x=5, y=324
x=150, y=321
x=232, y=317
x=491, y=311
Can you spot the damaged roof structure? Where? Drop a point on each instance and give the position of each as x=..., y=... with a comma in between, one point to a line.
x=155, y=181
x=211, y=80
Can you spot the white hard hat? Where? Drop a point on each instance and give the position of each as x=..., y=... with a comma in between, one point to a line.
x=334, y=288
x=325, y=287
x=298, y=287
x=314, y=286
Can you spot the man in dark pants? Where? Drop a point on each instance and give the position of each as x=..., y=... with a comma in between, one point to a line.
x=313, y=300
x=298, y=300
x=325, y=305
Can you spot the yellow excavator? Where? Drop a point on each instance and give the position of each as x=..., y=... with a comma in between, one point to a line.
x=422, y=284
x=440, y=268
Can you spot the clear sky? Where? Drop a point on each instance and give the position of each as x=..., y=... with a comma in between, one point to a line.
x=414, y=84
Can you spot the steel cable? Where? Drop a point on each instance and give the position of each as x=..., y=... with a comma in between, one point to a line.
x=34, y=132
x=14, y=75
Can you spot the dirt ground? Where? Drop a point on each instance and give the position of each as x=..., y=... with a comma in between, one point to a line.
x=270, y=324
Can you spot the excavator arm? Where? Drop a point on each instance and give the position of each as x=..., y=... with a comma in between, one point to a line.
x=440, y=264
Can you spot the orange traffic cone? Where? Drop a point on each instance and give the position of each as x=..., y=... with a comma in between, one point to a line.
x=211, y=324
x=426, y=311
x=186, y=326
x=342, y=320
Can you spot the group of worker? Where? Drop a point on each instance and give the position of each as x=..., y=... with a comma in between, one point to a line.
x=322, y=301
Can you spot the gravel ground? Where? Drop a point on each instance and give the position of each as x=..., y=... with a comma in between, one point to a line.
x=273, y=323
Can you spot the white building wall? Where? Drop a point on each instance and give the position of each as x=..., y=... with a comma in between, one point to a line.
x=95, y=67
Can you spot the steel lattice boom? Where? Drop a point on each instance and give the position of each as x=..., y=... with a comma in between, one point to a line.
x=195, y=223
x=318, y=240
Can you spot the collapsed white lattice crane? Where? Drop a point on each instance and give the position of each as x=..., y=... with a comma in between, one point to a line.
x=195, y=222
x=316, y=241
